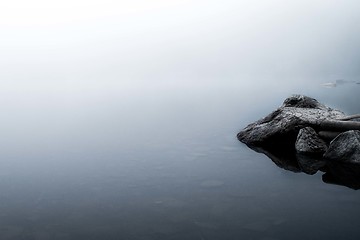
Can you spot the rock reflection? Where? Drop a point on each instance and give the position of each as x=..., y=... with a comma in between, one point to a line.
x=344, y=174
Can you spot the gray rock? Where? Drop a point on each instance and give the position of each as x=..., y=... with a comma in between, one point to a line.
x=284, y=123
x=309, y=142
x=345, y=148
x=296, y=135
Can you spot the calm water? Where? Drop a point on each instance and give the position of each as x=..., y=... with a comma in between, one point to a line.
x=119, y=118
x=163, y=163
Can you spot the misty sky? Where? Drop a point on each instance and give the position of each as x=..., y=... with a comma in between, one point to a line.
x=72, y=45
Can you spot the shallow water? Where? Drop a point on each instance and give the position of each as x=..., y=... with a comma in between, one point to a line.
x=163, y=165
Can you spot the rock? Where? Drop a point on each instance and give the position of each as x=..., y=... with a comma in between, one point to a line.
x=345, y=148
x=309, y=142
x=282, y=125
x=328, y=135
x=304, y=135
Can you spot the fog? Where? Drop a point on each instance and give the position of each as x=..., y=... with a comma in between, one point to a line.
x=77, y=43
x=64, y=62
x=78, y=54
x=119, y=118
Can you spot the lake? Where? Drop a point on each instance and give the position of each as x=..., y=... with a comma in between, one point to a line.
x=119, y=118
x=163, y=163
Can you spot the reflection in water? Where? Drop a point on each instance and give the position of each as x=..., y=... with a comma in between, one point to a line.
x=343, y=174
x=334, y=173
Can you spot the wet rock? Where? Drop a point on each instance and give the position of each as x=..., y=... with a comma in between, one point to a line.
x=308, y=142
x=345, y=148
x=304, y=135
x=328, y=135
x=282, y=125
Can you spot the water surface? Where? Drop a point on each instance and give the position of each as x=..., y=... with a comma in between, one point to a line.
x=119, y=119
x=166, y=167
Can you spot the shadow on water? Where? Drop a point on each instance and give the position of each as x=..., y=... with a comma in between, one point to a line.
x=286, y=158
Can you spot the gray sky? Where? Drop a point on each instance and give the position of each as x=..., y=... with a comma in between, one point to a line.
x=72, y=45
